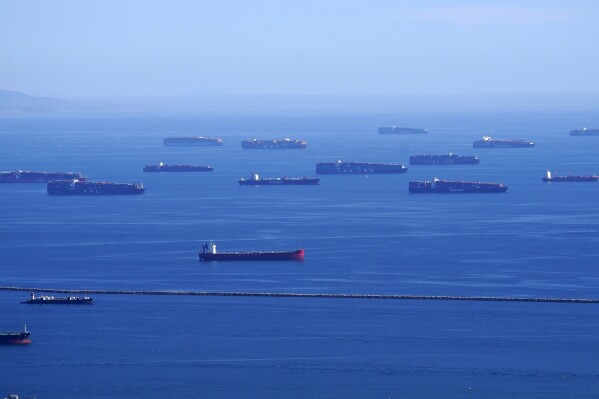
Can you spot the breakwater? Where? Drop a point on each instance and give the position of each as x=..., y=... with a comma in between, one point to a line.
x=302, y=295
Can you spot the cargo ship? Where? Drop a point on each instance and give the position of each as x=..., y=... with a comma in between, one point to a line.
x=488, y=142
x=570, y=178
x=401, y=130
x=193, y=140
x=50, y=300
x=15, y=338
x=162, y=167
x=285, y=144
x=450, y=159
x=584, y=132
x=449, y=186
x=209, y=253
x=21, y=176
x=340, y=167
x=76, y=187
x=256, y=180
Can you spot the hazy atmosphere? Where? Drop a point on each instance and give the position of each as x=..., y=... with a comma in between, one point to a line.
x=160, y=48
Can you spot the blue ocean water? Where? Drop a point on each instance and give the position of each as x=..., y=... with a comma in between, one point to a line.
x=362, y=234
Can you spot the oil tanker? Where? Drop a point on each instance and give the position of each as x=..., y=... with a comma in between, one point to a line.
x=488, y=142
x=340, y=167
x=209, y=253
x=50, y=300
x=449, y=186
x=570, y=178
x=15, y=338
x=162, y=167
x=449, y=159
x=21, y=176
x=285, y=144
x=191, y=141
x=256, y=180
x=584, y=132
x=76, y=187
x=401, y=130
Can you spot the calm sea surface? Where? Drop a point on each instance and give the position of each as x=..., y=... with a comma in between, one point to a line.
x=362, y=234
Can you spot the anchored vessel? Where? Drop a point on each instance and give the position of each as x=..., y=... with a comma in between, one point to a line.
x=284, y=144
x=194, y=140
x=15, y=338
x=340, y=167
x=162, y=167
x=401, y=130
x=584, y=132
x=449, y=186
x=256, y=180
x=77, y=187
x=570, y=178
x=488, y=142
x=450, y=159
x=20, y=176
x=209, y=253
x=70, y=300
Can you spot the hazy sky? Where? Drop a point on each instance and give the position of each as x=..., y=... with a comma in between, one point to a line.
x=158, y=47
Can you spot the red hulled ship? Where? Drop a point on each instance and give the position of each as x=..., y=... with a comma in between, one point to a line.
x=15, y=338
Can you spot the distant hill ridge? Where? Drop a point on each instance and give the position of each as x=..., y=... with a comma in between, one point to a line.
x=15, y=102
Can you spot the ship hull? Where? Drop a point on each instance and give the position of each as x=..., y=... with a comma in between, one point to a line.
x=246, y=256
x=21, y=338
x=584, y=132
x=92, y=188
x=190, y=168
x=358, y=168
x=59, y=301
x=401, y=130
x=427, y=187
x=443, y=160
x=279, y=182
x=571, y=179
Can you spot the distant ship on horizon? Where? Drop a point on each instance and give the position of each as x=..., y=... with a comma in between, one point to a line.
x=549, y=177
x=438, y=186
x=15, y=337
x=284, y=144
x=343, y=168
x=445, y=159
x=209, y=253
x=162, y=167
x=76, y=187
x=488, y=142
x=21, y=176
x=192, y=140
x=584, y=132
x=51, y=300
x=401, y=130
x=256, y=180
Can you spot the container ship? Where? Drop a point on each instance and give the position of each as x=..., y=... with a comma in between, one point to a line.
x=340, y=167
x=570, y=178
x=209, y=253
x=15, y=338
x=584, y=132
x=194, y=140
x=285, y=144
x=401, y=130
x=450, y=159
x=449, y=186
x=76, y=187
x=20, y=176
x=256, y=180
x=488, y=142
x=162, y=167
x=50, y=300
